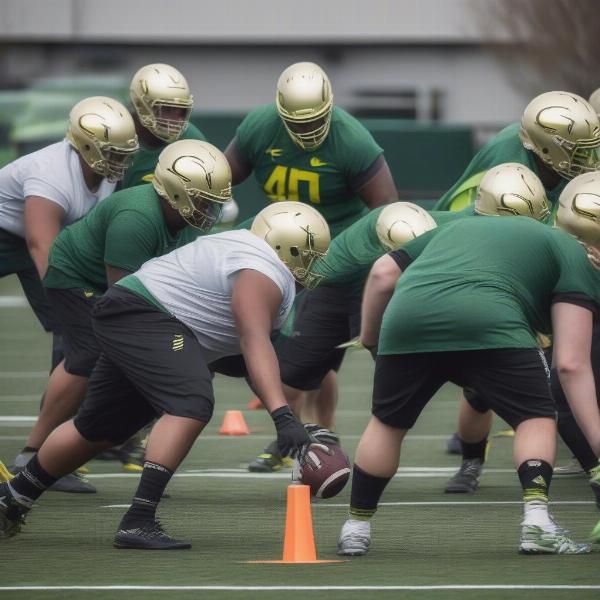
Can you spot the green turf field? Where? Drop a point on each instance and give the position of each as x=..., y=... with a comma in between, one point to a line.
x=425, y=544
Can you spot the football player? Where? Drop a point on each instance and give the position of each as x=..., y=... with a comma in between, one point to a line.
x=159, y=330
x=304, y=148
x=468, y=317
x=42, y=192
x=558, y=138
x=113, y=240
x=162, y=105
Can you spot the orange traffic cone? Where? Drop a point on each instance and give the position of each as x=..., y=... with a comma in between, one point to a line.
x=255, y=404
x=299, y=540
x=234, y=423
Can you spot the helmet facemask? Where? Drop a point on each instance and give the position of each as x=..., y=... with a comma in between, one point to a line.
x=308, y=134
x=114, y=162
x=158, y=117
x=581, y=157
x=202, y=210
x=302, y=273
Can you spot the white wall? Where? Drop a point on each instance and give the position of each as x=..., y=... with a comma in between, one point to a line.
x=476, y=89
x=242, y=21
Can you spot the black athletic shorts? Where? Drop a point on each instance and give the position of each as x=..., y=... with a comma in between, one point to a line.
x=478, y=402
x=15, y=259
x=514, y=381
x=151, y=364
x=73, y=309
x=326, y=317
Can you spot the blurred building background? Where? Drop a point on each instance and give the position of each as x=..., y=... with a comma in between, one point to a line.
x=433, y=79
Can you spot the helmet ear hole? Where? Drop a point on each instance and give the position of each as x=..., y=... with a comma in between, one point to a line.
x=294, y=251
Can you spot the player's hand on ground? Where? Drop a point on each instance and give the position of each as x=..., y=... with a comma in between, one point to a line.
x=322, y=435
x=291, y=435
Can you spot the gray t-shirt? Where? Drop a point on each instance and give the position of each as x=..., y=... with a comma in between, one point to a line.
x=54, y=173
x=195, y=283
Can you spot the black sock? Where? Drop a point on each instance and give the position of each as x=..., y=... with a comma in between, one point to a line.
x=573, y=437
x=152, y=484
x=535, y=476
x=366, y=492
x=476, y=450
x=31, y=482
x=29, y=449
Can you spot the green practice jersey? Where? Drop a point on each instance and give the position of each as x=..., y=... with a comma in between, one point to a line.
x=497, y=295
x=124, y=231
x=352, y=253
x=327, y=178
x=502, y=148
x=144, y=161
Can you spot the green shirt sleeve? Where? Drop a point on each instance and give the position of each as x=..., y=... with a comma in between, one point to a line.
x=413, y=249
x=130, y=241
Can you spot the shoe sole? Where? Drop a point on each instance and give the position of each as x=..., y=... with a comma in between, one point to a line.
x=459, y=490
x=263, y=469
x=351, y=552
x=130, y=546
x=73, y=490
x=8, y=528
x=535, y=549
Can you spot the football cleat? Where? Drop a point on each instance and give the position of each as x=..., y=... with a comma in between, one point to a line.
x=536, y=540
x=453, y=445
x=5, y=474
x=595, y=485
x=466, y=479
x=133, y=454
x=570, y=469
x=355, y=538
x=73, y=483
x=596, y=534
x=12, y=513
x=270, y=461
x=150, y=536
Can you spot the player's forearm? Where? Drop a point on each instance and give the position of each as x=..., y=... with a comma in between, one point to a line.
x=39, y=250
x=578, y=384
x=263, y=369
x=378, y=291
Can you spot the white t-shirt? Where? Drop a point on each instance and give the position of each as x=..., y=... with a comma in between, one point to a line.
x=54, y=173
x=195, y=283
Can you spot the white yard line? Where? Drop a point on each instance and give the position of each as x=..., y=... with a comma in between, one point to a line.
x=296, y=588
x=13, y=302
x=23, y=374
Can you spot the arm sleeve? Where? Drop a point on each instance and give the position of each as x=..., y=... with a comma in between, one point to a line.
x=412, y=250
x=579, y=299
x=130, y=241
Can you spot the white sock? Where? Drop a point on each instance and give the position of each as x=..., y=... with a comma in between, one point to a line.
x=535, y=512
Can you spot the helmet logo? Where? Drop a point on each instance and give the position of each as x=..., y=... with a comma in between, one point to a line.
x=548, y=117
x=198, y=161
x=585, y=213
x=87, y=129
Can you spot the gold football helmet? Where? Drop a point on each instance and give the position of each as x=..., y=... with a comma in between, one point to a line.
x=298, y=233
x=162, y=100
x=194, y=177
x=102, y=131
x=512, y=189
x=401, y=222
x=579, y=209
x=563, y=130
x=594, y=101
x=305, y=101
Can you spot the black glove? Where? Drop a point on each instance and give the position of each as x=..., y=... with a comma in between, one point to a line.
x=322, y=435
x=292, y=438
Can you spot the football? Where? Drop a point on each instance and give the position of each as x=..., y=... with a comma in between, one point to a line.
x=325, y=469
